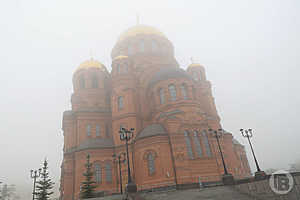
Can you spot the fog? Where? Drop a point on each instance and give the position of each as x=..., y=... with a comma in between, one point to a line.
x=250, y=50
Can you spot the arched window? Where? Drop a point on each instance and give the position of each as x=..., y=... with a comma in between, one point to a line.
x=172, y=92
x=130, y=50
x=154, y=46
x=206, y=143
x=195, y=76
x=88, y=130
x=142, y=46
x=125, y=68
x=151, y=163
x=94, y=82
x=200, y=76
x=118, y=66
x=184, y=91
x=81, y=82
x=194, y=92
x=120, y=103
x=108, y=173
x=98, y=173
x=197, y=144
x=161, y=96
x=98, y=130
x=107, y=130
x=188, y=145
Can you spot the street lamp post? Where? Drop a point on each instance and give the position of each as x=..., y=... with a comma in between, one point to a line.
x=120, y=158
x=34, y=174
x=0, y=191
x=127, y=135
x=227, y=177
x=259, y=174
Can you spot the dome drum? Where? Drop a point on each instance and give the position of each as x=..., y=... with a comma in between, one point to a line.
x=90, y=74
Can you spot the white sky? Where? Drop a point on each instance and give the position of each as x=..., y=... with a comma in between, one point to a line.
x=250, y=50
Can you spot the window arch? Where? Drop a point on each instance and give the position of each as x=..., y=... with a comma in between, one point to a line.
x=151, y=163
x=98, y=173
x=188, y=144
x=161, y=96
x=184, y=91
x=81, y=82
x=154, y=46
x=120, y=103
x=142, y=46
x=108, y=173
x=172, y=92
x=197, y=144
x=94, y=81
x=206, y=143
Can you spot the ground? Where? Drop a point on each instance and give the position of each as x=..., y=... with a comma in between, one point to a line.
x=215, y=193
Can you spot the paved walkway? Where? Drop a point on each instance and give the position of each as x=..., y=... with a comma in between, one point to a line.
x=215, y=193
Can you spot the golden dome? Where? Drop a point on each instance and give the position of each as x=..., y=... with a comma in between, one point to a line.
x=140, y=29
x=195, y=65
x=120, y=57
x=91, y=64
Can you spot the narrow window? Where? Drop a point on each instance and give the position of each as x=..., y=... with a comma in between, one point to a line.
x=98, y=129
x=142, y=46
x=98, y=173
x=125, y=68
x=88, y=130
x=197, y=144
x=200, y=76
x=154, y=46
x=151, y=164
x=184, y=91
x=194, y=92
x=94, y=82
x=172, y=92
x=81, y=82
x=188, y=145
x=118, y=68
x=161, y=96
x=195, y=76
x=206, y=143
x=130, y=50
x=108, y=173
x=107, y=130
x=120, y=103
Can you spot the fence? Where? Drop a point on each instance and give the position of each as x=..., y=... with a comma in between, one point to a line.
x=262, y=190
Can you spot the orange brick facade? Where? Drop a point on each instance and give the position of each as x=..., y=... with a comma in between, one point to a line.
x=170, y=108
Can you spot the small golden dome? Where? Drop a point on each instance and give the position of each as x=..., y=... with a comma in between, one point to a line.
x=140, y=29
x=120, y=57
x=91, y=64
x=195, y=65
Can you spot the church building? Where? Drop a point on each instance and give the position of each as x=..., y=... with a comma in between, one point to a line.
x=171, y=110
